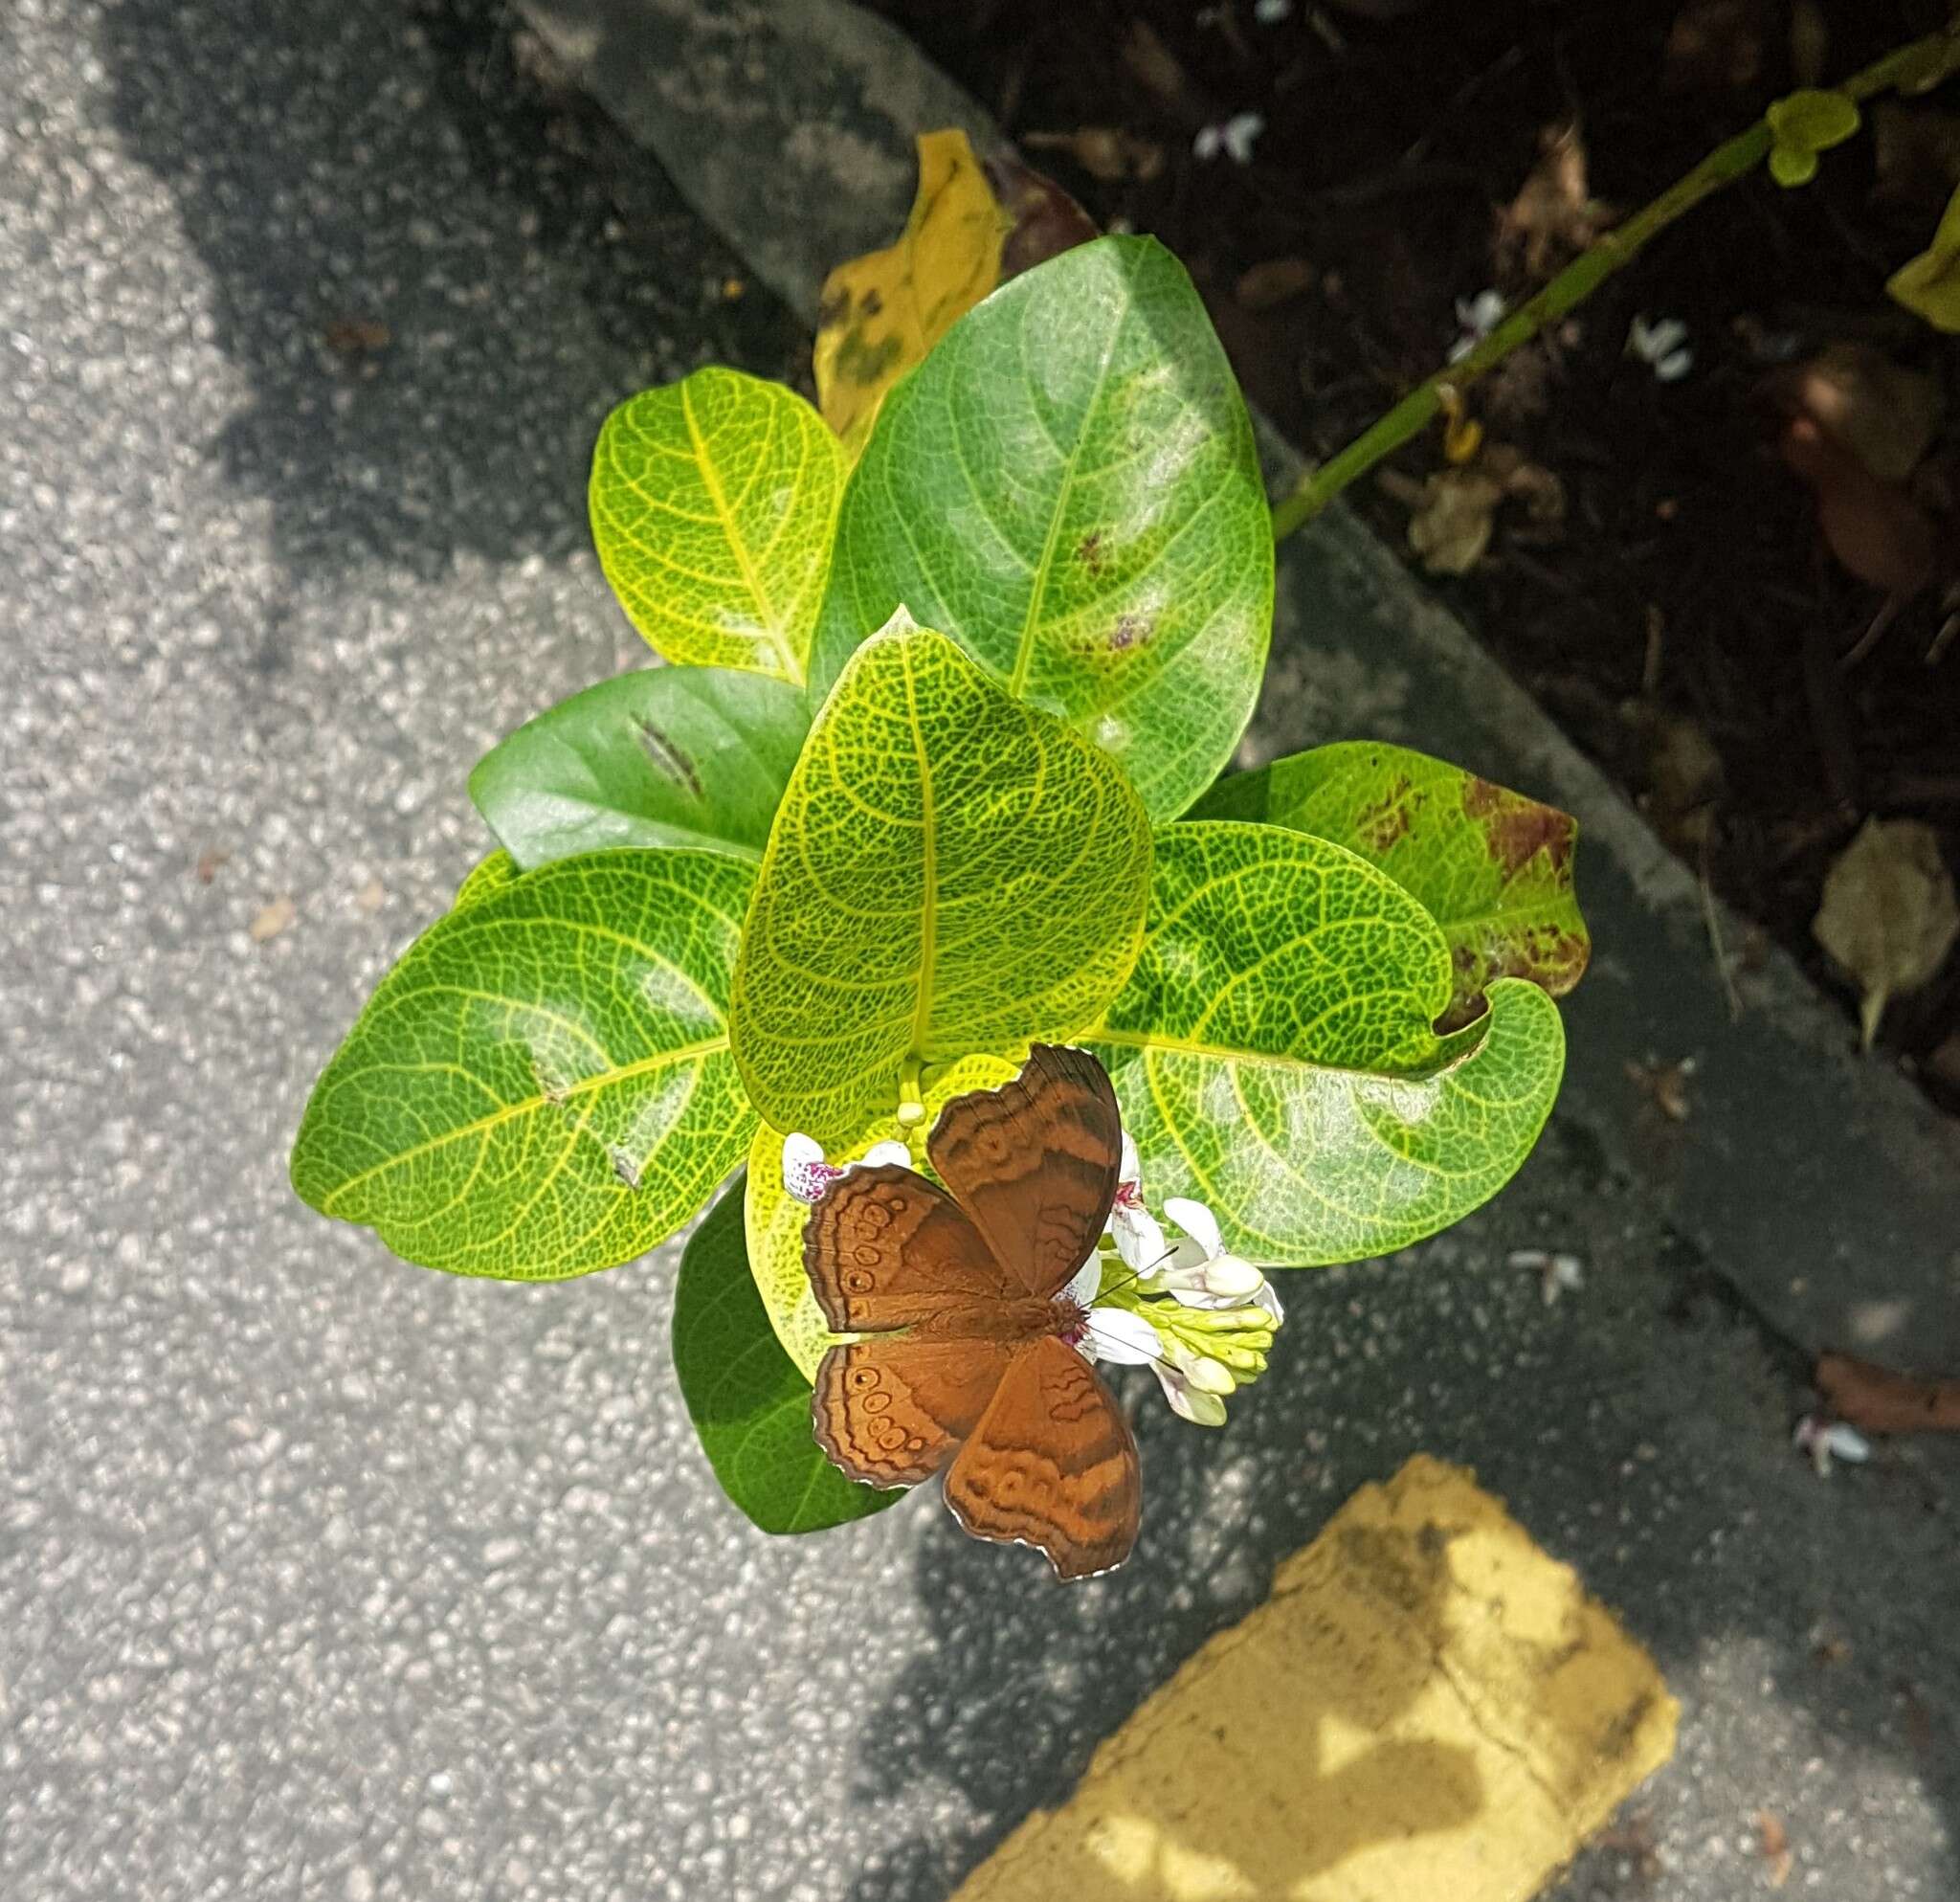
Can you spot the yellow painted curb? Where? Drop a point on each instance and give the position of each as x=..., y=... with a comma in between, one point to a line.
x=1428, y=1709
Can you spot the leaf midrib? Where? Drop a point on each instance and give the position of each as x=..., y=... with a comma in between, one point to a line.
x=682, y=1053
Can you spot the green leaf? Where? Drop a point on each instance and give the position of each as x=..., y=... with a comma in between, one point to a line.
x=486, y=876
x=1273, y=1055
x=713, y=503
x=1803, y=124
x=748, y=1401
x=1492, y=867
x=543, y=1086
x=775, y=1220
x=665, y=756
x=1068, y=486
x=949, y=872
x=1929, y=284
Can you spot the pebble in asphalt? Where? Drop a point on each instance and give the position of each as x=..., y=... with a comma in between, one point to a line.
x=326, y=1577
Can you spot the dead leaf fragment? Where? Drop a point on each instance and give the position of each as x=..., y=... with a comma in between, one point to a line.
x=1889, y=915
x=1773, y=1845
x=1277, y=281
x=371, y=897
x=1879, y=1400
x=1554, y=212
x=1666, y=1085
x=1875, y=530
x=1104, y=151
x=1715, y=43
x=1885, y=414
x=208, y=862
x=272, y=918
x=1456, y=509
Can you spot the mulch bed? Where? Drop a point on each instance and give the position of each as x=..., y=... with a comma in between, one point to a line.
x=1683, y=620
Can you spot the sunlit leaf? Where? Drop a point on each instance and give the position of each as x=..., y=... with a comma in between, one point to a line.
x=486, y=876
x=713, y=503
x=950, y=871
x=542, y=1084
x=1068, y=486
x=1273, y=1055
x=775, y=1220
x=747, y=1401
x=1493, y=868
x=665, y=756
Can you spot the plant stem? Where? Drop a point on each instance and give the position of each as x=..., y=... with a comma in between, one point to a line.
x=1924, y=59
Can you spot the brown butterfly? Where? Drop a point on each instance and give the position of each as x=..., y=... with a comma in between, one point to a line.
x=969, y=1360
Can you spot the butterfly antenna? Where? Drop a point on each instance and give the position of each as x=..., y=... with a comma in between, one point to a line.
x=1136, y=1275
x=1160, y=1360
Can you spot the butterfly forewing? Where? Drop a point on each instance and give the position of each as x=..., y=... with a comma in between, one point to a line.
x=892, y=1410
x=885, y=1249
x=1051, y=1463
x=1035, y=1164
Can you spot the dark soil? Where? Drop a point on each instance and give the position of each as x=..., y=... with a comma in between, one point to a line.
x=1684, y=620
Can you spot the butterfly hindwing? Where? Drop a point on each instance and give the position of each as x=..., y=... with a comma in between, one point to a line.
x=1035, y=1164
x=1051, y=1463
x=884, y=1248
x=893, y=1411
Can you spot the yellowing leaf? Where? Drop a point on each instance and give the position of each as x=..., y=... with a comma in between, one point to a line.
x=1889, y=916
x=1929, y=286
x=881, y=313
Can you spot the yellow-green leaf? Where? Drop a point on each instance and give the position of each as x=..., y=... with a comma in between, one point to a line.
x=714, y=503
x=949, y=872
x=1929, y=286
x=486, y=876
x=881, y=313
x=1804, y=123
x=1492, y=867
x=1274, y=1053
x=542, y=1084
x=774, y=1219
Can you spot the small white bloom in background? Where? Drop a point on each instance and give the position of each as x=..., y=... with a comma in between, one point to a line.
x=1558, y=1273
x=1234, y=137
x=806, y=1175
x=1662, y=346
x=1270, y=13
x=1825, y=1441
x=1480, y=315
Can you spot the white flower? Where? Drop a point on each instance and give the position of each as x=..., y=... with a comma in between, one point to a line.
x=1193, y=1383
x=806, y=1175
x=1134, y=1229
x=1234, y=137
x=1826, y=1440
x=1557, y=1273
x=1201, y=1274
x=1270, y=13
x=1662, y=346
x=1479, y=316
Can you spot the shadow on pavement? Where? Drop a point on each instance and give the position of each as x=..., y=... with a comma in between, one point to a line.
x=437, y=266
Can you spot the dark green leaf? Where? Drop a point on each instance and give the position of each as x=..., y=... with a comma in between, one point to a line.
x=666, y=756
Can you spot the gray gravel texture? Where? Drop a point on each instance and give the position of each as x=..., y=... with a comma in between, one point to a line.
x=325, y=1576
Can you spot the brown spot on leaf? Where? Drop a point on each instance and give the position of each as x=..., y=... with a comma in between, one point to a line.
x=833, y=309
x=1517, y=829
x=1387, y=820
x=872, y=302
x=859, y=361
x=667, y=756
x=1131, y=631
x=1089, y=551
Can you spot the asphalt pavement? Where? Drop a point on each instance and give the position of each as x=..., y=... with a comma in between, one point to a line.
x=322, y=1575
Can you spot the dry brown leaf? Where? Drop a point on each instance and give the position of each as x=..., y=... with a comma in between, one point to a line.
x=1275, y=282
x=1104, y=151
x=1715, y=43
x=1873, y=527
x=1554, y=211
x=1773, y=1845
x=1684, y=774
x=1881, y=1399
x=1456, y=509
x=1885, y=414
x=1889, y=915
x=1915, y=153
x=1155, y=68
x=272, y=918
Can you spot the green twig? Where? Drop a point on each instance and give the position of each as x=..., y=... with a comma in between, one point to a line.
x=1922, y=62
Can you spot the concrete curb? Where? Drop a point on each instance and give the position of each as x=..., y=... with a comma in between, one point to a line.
x=1821, y=1186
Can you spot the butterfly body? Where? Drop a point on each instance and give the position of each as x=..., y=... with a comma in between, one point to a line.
x=964, y=1361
